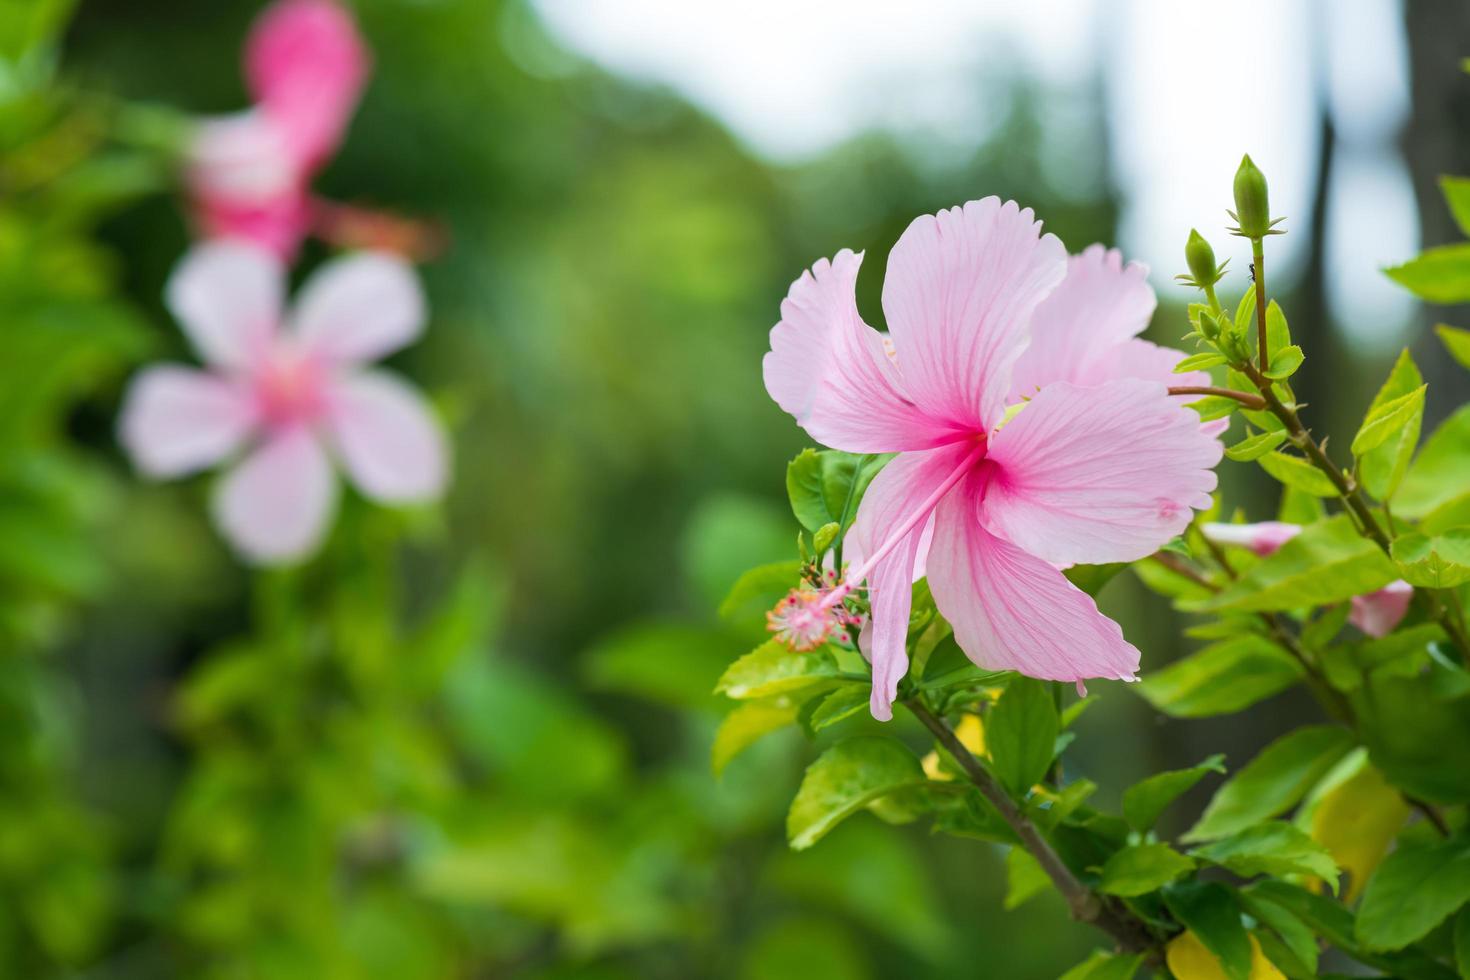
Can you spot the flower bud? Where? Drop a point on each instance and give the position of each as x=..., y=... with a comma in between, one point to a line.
x=1200, y=258
x=1208, y=325
x=1252, y=210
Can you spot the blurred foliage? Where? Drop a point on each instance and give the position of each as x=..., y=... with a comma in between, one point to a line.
x=477, y=742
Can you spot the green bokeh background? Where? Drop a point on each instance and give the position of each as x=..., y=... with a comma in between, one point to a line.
x=474, y=742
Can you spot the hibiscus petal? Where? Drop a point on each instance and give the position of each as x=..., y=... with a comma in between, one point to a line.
x=1377, y=613
x=828, y=368
x=274, y=506
x=359, y=308
x=895, y=495
x=227, y=295
x=960, y=292
x=389, y=441
x=1101, y=305
x=176, y=420
x=306, y=65
x=1098, y=474
x=1013, y=611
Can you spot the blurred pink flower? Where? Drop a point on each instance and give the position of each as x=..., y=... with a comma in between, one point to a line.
x=1376, y=613
x=1262, y=538
x=249, y=174
x=1099, y=466
x=288, y=389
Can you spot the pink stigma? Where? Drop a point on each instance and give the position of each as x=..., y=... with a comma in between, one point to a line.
x=288, y=388
x=804, y=620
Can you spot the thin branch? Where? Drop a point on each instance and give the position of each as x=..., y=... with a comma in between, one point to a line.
x=1254, y=402
x=1352, y=498
x=1131, y=934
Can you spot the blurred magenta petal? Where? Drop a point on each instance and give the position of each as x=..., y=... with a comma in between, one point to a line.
x=959, y=295
x=1099, y=474
x=177, y=420
x=1012, y=610
x=1262, y=538
x=1103, y=471
x=306, y=65
x=895, y=493
x=228, y=296
x=275, y=505
x=359, y=308
x=1377, y=613
x=829, y=370
x=388, y=439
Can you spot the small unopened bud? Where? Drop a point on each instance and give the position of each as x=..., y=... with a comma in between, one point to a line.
x=1200, y=258
x=1252, y=208
x=1208, y=325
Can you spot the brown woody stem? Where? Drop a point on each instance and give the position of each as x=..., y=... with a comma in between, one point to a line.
x=1131, y=934
x=1255, y=402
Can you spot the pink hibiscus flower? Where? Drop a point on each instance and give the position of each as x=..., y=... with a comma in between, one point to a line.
x=249, y=173
x=290, y=390
x=1376, y=613
x=1100, y=465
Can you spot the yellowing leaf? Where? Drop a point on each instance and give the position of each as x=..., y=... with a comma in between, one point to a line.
x=1189, y=960
x=745, y=725
x=1357, y=821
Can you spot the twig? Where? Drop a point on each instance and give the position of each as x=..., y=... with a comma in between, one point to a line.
x=1131, y=934
x=1253, y=402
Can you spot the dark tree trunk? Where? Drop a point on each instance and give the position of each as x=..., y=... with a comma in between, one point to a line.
x=1437, y=142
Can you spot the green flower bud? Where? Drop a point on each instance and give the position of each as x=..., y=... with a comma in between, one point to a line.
x=1208, y=325
x=1252, y=210
x=1200, y=258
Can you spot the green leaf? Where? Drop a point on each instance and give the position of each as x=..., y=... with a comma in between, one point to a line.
x=1456, y=341
x=1456, y=192
x=1145, y=800
x=1387, y=420
x=1297, y=952
x=1462, y=941
x=1092, y=578
x=750, y=721
x=1255, y=446
x=757, y=591
x=1209, y=910
x=825, y=535
x=1105, y=966
x=1021, y=733
x=1141, y=869
x=1285, y=362
x=772, y=668
x=1223, y=677
x=1294, y=471
x=826, y=486
x=1278, y=336
x=1381, y=469
x=1441, y=472
x=843, y=780
x=1245, y=313
x=1213, y=407
x=1414, y=889
x=1273, y=782
x=1327, y=562
x=1199, y=362
x=1025, y=878
x=1271, y=848
x=1439, y=275
x=1440, y=562
x=841, y=704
